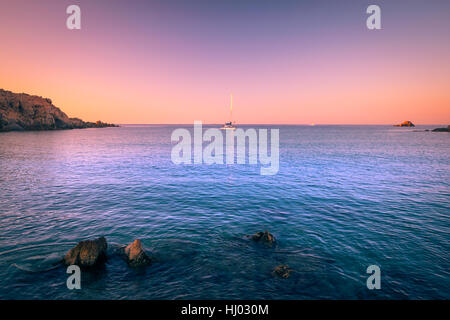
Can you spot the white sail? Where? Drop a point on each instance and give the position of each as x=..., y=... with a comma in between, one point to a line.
x=229, y=125
x=231, y=107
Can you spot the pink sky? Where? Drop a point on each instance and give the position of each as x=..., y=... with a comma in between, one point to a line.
x=283, y=65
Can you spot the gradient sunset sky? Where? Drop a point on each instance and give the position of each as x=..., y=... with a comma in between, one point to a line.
x=286, y=62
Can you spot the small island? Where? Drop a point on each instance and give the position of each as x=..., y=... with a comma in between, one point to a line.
x=442, y=129
x=21, y=111
x=405, y=124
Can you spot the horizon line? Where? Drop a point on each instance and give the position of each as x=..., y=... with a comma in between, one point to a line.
x=291, y=124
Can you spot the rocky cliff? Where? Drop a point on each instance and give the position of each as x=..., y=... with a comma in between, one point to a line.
x=20, y=111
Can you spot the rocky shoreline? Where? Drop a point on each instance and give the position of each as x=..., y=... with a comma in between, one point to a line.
x=23, y=112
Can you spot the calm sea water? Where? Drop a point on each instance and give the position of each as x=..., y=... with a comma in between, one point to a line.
x=345, y=197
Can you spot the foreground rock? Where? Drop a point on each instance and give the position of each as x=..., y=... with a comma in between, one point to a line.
x=282, y=271
x=265, y=238
x=442, y=129
x=135, y=254
x=20, y=111
x=87, y=253
x=405, y=124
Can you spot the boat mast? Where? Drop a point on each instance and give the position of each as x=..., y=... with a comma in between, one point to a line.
x=231, y=107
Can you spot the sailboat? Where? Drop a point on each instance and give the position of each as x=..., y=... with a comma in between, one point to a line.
x=229, y=125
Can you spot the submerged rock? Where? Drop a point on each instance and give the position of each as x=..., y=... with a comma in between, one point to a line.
x=265, y=238
x=442, y=129
x=282, y=271
x=87, y=253
x=405, y=124
x=135, y=254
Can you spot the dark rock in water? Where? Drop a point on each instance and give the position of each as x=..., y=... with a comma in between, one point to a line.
x=87, y=253
x=442, y=129
x=405, y=124
x=282, y=271
x=135, y=254
x=20, y=111
x=264, y=238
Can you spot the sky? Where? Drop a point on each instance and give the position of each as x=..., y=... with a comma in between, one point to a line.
x=285, y=62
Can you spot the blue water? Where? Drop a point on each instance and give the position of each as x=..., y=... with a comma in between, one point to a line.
x=345, y=197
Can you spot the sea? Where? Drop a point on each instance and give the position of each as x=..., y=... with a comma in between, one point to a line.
x=345, y=198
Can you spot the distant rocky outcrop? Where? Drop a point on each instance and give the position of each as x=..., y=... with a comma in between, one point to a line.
x=21, y=111
x=87, y=253
x=135, y=254
x=265, y=238
x=405, y=124
x=442, y=129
